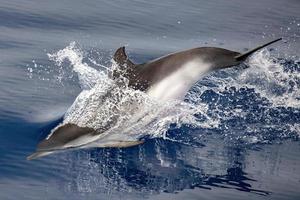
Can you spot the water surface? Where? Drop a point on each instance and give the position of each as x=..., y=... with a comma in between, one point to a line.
x=238, y=141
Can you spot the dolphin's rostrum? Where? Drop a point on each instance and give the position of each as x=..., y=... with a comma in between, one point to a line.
x=165, y=78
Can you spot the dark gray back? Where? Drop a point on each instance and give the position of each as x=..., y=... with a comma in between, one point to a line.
x=144, y=75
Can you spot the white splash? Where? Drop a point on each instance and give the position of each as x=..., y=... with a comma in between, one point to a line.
x=271, y=81
x=119, y=111
x=88, y=76
x=265, y=75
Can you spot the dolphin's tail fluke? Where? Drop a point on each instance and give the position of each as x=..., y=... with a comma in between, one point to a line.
x=248, y=53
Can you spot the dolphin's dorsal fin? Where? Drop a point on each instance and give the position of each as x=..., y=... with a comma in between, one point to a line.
x=248, y=53
x=122, y=59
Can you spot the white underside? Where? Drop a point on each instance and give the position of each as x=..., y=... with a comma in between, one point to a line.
x=176, y=85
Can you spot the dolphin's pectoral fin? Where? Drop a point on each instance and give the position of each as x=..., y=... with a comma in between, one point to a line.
x=122, y=144
x=122, y=59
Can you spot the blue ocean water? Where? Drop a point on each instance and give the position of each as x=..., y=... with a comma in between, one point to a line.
x=239, y=141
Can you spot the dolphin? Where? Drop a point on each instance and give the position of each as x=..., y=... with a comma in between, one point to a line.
x=165, y=78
